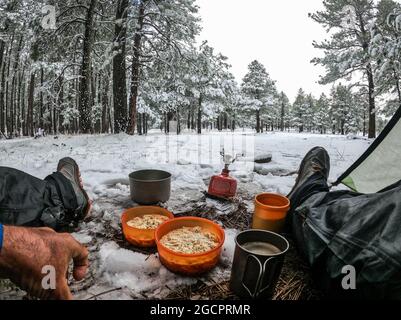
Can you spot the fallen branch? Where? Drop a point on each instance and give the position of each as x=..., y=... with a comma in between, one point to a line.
x=103, y=293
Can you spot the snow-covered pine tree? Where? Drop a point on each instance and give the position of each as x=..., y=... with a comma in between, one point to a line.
x=283, y=105
x=258, y=89
x=299, y=111
x=310, y=113
x=322, y=116
x=343, y=110
x=386, y=49
x=347, y=51
x=233, y=102
x=159, y=26
x=207, y=81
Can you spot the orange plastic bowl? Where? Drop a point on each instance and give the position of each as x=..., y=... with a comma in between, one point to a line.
x=139, y=237
x=189, y=264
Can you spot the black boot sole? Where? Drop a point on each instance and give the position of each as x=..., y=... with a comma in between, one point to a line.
x=72, y=162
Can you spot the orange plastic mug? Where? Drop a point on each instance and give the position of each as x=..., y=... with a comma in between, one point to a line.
x=270, y=212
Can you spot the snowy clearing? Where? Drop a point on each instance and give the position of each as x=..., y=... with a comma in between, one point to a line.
x=105, y=163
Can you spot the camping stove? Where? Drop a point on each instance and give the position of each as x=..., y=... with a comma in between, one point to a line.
x=223, y=185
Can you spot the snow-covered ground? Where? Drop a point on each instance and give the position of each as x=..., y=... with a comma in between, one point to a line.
x=105, y=162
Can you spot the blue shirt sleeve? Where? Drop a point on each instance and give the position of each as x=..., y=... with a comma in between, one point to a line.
x=1, y=236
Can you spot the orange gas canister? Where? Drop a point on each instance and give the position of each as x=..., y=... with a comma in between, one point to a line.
x=270, y=212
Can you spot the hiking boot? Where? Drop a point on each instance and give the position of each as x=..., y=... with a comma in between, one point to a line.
x=316, y=160
x=69, y=169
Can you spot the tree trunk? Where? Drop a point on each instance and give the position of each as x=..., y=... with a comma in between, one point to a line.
x=397, y=85
x=13, y=106
x=282, y=116
x=189, y=120
x=86, y=71
x=372, y=103
x=135, y=76
x=371, y=84
x=23, y=110
x=41, y=98
x=257, y=121
x=110, y=127
x=144, y=118
x=2, y=49
x=60, y=120
x=7, y=104
x=30, y=129
x=364, y=122
x=20, y=110
x=50, y=115
x=105, y=102
x=166, y=124
x=119, y=68
x=200, y=115
x=95, y=100
x=139, y=123
x=193, y=118
x=178, y=121
x=75, y=122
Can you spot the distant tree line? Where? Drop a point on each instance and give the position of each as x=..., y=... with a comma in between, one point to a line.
x=103, y=66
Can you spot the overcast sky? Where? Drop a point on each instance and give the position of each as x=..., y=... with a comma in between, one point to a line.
x=278, y=33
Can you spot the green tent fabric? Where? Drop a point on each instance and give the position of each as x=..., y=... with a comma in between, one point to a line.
x=380, y=166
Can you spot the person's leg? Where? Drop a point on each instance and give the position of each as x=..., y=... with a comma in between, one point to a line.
x=314, y=184
x=54, y=202
x=341, y=228
x=312, y=176
x=23, y=198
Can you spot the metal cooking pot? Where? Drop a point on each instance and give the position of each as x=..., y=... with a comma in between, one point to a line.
x=150, y=186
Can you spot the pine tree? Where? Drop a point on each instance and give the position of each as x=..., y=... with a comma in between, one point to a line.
x=385, y=48
x=160, y=26
x=259, y=90
x=310, y=112
x=299, y=111
x=322, y=117
x=284, y=106
x=347, y=50
x=344, y=110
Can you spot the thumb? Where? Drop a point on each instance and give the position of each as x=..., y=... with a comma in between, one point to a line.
x=80, y=258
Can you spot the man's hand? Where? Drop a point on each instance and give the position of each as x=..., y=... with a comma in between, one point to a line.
x=26, y=251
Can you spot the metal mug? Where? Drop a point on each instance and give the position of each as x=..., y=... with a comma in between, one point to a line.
x=255, y=275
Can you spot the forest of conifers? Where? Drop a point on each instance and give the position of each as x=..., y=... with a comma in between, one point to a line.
x=104, y=66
